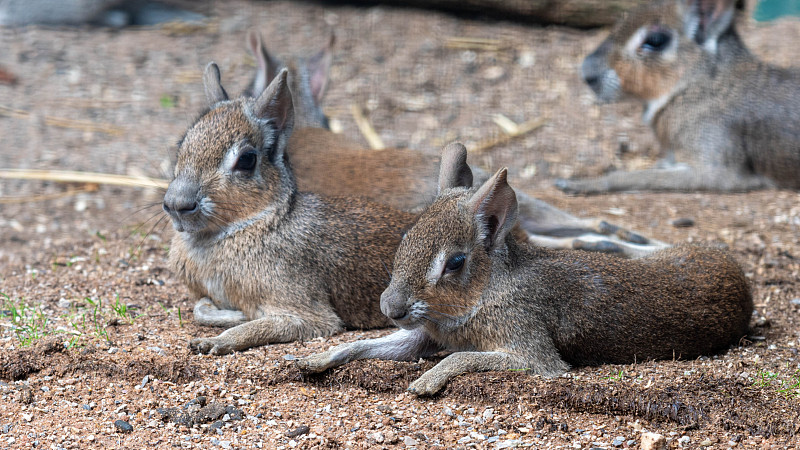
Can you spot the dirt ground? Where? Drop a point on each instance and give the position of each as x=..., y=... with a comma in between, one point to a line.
x=95, y=327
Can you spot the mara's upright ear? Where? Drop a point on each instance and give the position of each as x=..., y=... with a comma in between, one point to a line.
x=275, y=103
x=319, y=67
x=453, y=168
x=494, y=207
x=706, y=20
x=212, y=81
x=266, y=66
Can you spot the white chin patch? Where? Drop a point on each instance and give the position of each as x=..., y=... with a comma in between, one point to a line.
x=653, y=107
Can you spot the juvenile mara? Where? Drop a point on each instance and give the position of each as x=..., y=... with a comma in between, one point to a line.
x=268, y=262
x=460, y=284
x=725, y=120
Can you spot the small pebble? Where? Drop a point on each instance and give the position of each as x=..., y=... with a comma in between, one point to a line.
x=795, y=301
x=683, y=222
x=653, y=441
x=299, y=431
x=618, y=441
x=409, y=441
x=123, y=426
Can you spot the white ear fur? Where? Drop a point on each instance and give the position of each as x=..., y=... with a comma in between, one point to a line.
x=212, y=81
x=495, y=209
x=453, y=168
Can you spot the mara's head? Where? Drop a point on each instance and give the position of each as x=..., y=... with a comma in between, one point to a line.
x=653, y=47
x=231, y=163
x=445, y=260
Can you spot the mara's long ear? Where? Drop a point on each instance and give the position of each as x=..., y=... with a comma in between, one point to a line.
x=706, y=20
x=212, y=81
x=319, y=67
x=494, y=207
x=453, y=168
x=275, y=103
x=266, y=65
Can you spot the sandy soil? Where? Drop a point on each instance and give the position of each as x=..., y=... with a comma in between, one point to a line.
x=95, y=327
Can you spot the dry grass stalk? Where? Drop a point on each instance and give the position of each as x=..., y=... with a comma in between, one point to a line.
x=43, y=197
x=521, y=130
x=67, y=176
x=65, y=123
x=375, y=142
x=471, y=43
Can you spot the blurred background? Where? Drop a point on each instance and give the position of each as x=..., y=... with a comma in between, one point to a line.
x=111, y=86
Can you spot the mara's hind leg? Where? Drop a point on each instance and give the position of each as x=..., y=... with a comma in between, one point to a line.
x=208, y=314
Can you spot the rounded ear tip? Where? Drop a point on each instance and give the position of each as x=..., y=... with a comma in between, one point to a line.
x=212, y=66
x=455, y=147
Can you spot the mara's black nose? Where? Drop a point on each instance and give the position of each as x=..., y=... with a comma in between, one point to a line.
x=393, y=304
x=180, y=200
x=181, y=208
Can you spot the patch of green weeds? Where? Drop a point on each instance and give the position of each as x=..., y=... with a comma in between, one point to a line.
x=27, y=322
x=97, y=323
x=122, y=311
x=616, y=375
x=168, y=312
x=765, y=379
x=168, y=101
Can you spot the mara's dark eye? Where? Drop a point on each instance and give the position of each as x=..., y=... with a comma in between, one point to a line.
x=656, y=41
x=246, y=162
x=454, y=263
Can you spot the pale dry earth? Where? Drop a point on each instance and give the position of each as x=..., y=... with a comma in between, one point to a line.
x=116, y=101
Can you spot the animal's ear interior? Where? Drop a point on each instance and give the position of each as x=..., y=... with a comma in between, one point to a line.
x=275, y=103
x=212, y=81
x=266, y=65
x=494, y=207
x=453, y=168
x=706, y=20
x=319, y=67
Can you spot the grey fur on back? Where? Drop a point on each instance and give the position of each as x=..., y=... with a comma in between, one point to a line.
x=725, y=120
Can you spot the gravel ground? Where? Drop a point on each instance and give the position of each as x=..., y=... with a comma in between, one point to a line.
x=95, y=328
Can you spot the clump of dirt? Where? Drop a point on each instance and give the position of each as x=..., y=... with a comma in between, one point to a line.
x=19, y=364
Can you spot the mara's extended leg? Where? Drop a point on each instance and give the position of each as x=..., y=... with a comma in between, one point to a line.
x=680, y=178
x=456, y=364
x=402, y=345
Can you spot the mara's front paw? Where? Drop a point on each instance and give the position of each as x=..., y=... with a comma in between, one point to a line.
x=210, y=346
x=428, y=384
x=317, y=363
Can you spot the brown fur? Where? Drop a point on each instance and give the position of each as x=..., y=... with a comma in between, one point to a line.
x=730, y=119
x=512, y=306
x=328, y=163
x=272, y=263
